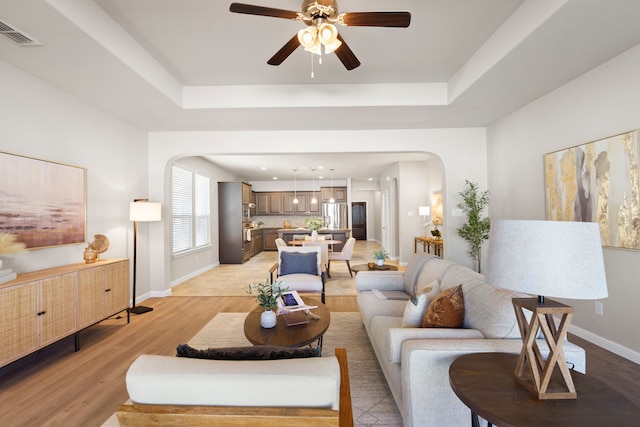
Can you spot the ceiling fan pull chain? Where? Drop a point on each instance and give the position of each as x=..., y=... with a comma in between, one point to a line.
x=312, y=75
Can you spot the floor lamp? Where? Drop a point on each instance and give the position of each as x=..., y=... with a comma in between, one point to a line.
x=560, y=259
x=141, y=210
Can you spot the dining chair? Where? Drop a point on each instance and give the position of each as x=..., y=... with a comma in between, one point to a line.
x=300, y=269
x=343, y=255
x=280, y=243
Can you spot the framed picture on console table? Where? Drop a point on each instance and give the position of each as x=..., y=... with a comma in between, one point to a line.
x=43, y=203
x=597, y=182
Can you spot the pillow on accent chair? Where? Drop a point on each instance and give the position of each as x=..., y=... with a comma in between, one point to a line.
x=262, y=352
x=446, y=311
x=416, y=306
x=298, y=262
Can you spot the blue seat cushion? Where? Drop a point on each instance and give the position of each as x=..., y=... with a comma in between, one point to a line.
x=298, y=263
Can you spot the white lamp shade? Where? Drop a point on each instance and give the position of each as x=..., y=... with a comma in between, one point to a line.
x=145, y=211
x=424, y=210
x=558, y=259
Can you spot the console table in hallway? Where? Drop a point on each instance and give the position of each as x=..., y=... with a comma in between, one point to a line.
x=428, y=243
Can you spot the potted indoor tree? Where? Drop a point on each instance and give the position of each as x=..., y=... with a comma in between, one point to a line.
x=476, y=230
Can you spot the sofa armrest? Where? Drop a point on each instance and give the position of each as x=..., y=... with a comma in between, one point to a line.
x=395, y=337
x=383, y=280
x=166, y=380
x=425, y=376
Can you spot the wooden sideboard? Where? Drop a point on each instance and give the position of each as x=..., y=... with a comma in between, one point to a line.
x=41, y=307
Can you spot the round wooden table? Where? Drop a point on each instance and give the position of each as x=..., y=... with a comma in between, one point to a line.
x=365, y=267
x=288, y=336
x=485, y=382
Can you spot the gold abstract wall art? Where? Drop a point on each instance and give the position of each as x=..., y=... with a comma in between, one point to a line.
x=597, y=182
x=43, y=203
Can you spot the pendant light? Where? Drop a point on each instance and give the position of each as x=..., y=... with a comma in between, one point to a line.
x=295, y=187
x=313, y=187
x=332, y=200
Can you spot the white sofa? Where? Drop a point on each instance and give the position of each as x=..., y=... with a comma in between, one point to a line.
x=415, y=361
x=181, y=391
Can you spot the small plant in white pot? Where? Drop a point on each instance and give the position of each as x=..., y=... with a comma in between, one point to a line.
x=380, y=256
x=267, y=296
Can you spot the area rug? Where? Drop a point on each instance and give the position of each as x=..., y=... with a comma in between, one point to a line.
x=373, y=404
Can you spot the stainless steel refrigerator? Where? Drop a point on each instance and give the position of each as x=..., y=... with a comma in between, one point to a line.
x=335, y=215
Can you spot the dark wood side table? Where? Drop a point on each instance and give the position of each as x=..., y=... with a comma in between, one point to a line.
x=485, y=382
x=365, y=267
x=288, y=336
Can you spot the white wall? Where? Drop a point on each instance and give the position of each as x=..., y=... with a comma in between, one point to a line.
x=601, y=103
x=38, y=120
x=189, y=265
x=164, y=147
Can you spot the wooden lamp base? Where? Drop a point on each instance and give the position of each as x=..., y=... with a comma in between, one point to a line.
x=533, y=372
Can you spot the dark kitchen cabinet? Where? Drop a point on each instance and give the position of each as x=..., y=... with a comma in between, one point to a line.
x=269, y=238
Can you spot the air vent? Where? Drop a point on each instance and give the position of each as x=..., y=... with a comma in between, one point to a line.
x=17, y=36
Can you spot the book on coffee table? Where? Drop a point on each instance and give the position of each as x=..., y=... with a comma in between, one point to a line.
x=296, y=318
x=291, y=302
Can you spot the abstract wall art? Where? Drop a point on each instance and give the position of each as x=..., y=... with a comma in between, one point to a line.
x=43, y=203
x=597, y=182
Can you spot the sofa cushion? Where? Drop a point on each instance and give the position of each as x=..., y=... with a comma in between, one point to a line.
x=298, y=262
x=490, y=310
x=413, y=270
x=264, y=352
x=167, y=380
x=446, y=310
x=434, y=269
x=416, y=306
x=459, y=275
x=370, y=306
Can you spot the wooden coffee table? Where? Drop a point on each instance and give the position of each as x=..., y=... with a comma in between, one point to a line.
x=288, y=336
x=485, y=382
x=365, y=267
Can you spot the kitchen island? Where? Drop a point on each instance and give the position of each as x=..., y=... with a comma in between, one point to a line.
x=341, y=234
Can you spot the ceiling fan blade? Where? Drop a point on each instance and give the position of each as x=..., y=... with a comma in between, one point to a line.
x=285, y=51
x=346, y=55
x=377, y=19
x=262, y=11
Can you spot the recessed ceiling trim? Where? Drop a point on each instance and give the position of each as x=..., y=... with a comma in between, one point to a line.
x=16, y=36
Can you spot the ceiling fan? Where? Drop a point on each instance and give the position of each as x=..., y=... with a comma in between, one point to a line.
x=321, y=36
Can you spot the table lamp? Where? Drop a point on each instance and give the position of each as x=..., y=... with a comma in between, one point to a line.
x=424, y=212
x=141, y=210
x=546, y=258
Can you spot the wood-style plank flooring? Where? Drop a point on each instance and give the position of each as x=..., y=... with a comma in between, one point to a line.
x=57, y=387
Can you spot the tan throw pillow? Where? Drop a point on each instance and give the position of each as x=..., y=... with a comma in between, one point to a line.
x=446, y=310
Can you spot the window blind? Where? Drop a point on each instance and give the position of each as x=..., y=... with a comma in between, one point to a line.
x=182, y=208
x=202, y=208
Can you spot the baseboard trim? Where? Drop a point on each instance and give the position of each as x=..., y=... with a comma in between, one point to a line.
x=611, y=346
x=193, y=274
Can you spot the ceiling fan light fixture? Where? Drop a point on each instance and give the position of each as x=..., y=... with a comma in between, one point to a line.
x=308, y=38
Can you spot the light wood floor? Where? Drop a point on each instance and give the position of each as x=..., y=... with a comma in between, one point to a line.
x=57, y=387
